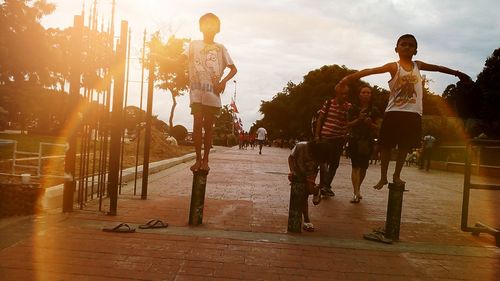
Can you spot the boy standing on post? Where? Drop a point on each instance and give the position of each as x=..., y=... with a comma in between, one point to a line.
x=207, y=61
x=402, y=122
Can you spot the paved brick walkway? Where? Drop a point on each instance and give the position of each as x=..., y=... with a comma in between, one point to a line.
x=244, y=236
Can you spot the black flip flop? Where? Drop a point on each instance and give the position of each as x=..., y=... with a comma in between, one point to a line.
x=121, y=228
x=377, y=237
x=154, y=224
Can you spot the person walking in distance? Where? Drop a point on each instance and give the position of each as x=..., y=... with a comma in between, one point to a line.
x=427, y=146
x=261, y=137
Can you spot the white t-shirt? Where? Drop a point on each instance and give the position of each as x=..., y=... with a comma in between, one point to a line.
x=261, y=133
x=305, y=165
x=429, y=141
x=206, y=67
x=406, y=90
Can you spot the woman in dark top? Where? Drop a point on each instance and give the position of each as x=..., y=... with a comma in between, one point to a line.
x=361, y=141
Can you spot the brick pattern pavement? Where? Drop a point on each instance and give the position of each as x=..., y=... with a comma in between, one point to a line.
x=244, y=237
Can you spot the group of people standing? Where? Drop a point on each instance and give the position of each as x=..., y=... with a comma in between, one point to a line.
x=340, y=122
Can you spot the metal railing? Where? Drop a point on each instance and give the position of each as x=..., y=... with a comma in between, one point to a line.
x=468, y=185
x=35, y=156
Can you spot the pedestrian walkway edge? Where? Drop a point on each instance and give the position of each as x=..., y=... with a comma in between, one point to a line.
x=52, y=198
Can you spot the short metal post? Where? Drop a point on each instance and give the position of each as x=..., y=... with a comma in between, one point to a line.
x=394, y=207
x=198, y=197
x=297, y=194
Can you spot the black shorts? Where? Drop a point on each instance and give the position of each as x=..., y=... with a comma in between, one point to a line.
x=400, y=128
x=205, y=109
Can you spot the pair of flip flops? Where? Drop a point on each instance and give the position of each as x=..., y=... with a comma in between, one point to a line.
x=125, y=228
x=378, y=235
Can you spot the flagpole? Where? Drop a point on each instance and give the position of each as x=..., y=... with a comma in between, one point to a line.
x=234, y=100
x=234, y=96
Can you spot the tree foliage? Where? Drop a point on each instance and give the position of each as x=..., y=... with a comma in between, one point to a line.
x=171, y=72
x=288, y=114
x=223, y=127
x=34, y=62
x=24, y=48
x=489, y=82
x=477, y=103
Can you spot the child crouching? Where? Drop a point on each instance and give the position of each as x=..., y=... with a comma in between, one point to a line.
x=304, y=162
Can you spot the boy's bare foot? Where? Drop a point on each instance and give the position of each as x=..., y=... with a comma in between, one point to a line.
x=196, y=166
x=398, y=181
x=380, y=184
x=204, y=166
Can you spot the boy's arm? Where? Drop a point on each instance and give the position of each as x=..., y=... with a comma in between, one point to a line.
x=432, y=67
x=361, y=117
x=389, y=67
x=291, y=165
x=317, y=130
x=219, y=88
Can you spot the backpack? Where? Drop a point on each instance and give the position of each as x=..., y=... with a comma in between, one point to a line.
x=314, y=119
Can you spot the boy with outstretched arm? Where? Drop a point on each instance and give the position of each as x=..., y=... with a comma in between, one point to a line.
x=402, y=122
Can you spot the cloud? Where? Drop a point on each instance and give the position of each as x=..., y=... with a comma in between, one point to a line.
x=276, y=41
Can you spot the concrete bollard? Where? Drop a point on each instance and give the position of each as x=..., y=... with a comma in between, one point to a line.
x=198, y=197
x=394, y=207
x=297, y=191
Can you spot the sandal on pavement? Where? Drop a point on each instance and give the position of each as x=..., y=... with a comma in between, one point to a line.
x=154, y=224
x=121, y=228
x=308, y=227
x=355, y=199
x=377, y=237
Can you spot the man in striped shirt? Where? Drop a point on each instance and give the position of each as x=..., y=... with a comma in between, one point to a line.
x=332, y=127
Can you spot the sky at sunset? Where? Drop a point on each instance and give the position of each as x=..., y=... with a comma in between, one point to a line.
x=276, y=41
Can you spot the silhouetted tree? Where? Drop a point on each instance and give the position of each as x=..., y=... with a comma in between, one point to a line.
x=172, y=70
x=288, y=114
x=489, y=82
x=24, y=50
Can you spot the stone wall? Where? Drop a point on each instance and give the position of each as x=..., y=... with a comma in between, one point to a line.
x=20, y=199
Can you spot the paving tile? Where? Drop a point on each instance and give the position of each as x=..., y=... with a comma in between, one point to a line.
x=244, y=234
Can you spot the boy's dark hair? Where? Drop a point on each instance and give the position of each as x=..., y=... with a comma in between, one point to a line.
x=320, y=150
x=208, y=16
x=407, y=36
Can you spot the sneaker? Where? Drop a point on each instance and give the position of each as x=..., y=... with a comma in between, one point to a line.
x=327, y=192
x=307, y=226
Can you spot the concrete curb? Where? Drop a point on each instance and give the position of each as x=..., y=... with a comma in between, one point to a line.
x=52, y=198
